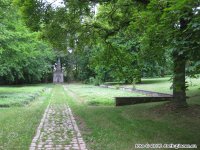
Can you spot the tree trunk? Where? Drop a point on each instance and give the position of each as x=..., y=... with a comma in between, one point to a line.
x=179, y=80
x=179, y=88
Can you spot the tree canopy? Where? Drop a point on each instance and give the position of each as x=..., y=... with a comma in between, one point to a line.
x=24, y=58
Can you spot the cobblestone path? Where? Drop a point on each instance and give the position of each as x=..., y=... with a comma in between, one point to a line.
x=58, y=130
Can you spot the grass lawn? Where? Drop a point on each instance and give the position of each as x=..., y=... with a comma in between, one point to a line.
x=106, y=127
x=164, y=84
x=19, y=95
x=18, y=122
x=156, y=84
x=93, y=95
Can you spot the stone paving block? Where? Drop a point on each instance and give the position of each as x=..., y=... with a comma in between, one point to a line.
x=57, y=129
x=32, y=148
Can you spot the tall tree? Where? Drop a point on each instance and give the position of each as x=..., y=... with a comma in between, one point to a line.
x=179, y=21
x=24, y=58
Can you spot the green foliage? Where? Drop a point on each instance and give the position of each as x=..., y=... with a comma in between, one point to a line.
x=24, y=58
x=124, y=40
x=126, y=47
x=110, y=45
x=32, y=12
x=95, y=81
x=179, y=25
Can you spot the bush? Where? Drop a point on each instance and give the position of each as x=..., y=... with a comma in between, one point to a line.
x=94, y=81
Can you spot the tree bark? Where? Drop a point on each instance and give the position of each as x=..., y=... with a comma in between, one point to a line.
x=179, y=58
x=179, y=87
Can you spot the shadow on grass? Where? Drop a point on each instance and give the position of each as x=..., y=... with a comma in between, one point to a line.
x=153, y=81
x=193, y=110
x=93, y=103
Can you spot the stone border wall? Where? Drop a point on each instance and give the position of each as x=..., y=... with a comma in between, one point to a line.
x=121, y=101
x=148, y=93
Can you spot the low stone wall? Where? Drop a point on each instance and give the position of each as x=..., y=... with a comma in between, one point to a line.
x=144, y=92
x=121, y=101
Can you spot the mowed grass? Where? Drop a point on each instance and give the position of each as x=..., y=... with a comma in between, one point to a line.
x=19, y=95
x=107, y=127
x=104, y=126
x=164, y=85
x=94, y=95
x=18, y=124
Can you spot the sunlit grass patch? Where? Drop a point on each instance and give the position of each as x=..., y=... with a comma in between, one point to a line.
x=19, y=96
x=94, y=95
x=164, y=85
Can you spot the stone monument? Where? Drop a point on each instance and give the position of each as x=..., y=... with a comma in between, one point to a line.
x=58, y=73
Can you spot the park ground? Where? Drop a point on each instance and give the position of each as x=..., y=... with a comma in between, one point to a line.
x=103, y=126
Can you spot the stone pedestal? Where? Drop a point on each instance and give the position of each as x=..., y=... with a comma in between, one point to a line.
x=58, y=76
